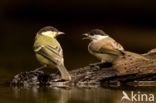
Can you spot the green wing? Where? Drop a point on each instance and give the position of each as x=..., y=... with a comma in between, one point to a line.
x=54, y=54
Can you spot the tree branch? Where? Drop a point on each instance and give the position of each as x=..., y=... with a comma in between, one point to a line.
x=95, y=75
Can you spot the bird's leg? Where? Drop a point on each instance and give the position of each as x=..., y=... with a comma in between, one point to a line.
x=39, y=68
x=96, y=65
x=101, y=64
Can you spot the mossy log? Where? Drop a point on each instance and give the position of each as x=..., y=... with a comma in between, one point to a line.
x=95, y=75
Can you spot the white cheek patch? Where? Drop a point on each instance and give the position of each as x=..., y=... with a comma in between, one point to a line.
x=49, y=34
x=99, y=37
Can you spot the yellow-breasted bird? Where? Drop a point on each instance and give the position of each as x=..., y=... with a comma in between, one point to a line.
x=48, y=50
x=103, y=46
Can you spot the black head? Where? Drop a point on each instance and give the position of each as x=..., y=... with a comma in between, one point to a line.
x=49, y=31
x=47, y=28
x=97, y=32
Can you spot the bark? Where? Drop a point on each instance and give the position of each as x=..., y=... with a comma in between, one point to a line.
x=94, y=75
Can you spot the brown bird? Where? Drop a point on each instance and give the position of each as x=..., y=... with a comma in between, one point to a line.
x=107, y=49
x=103, y=46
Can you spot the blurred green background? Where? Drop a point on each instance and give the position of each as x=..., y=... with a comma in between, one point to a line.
x=131, y=23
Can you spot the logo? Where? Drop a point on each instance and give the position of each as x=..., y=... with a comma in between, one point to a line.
x=137, y=97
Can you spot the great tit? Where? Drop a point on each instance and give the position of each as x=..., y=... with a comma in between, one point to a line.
x=49, y=51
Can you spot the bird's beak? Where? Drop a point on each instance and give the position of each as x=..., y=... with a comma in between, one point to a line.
x=87, y=36
x=60, y=33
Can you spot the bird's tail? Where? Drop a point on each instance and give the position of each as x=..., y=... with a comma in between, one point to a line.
x=64, y=73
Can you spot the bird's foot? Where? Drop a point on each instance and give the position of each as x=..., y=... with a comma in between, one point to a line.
x=61, y=80
x=95, y=65
x=39, y=68
x=101, y=64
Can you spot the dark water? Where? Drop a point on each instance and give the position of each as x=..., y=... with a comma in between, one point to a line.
x=72, y=95
x=35, y=94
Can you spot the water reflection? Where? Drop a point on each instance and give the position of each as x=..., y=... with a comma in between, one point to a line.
x=57, y=95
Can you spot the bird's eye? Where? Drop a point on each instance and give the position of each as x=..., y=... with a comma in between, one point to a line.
x=92, y=34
